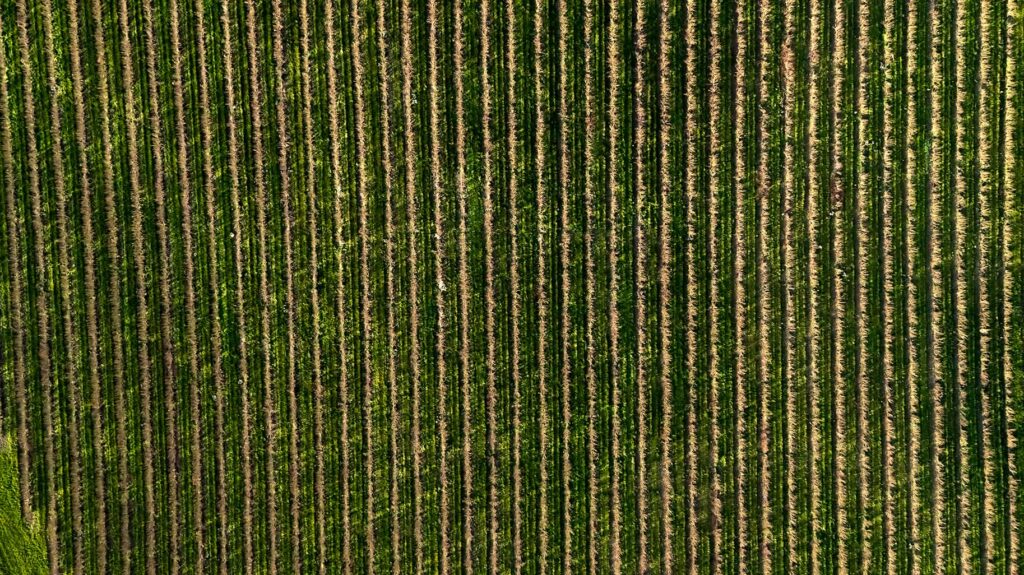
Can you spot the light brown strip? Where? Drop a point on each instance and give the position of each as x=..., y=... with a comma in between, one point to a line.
x=394, y=501
x=42, y=297
x=167, y=342
x=564, y=179
x=641, y=119
x=1011, y=167
x=489, y=301
x=591, y=136
x=10, y=220
x=958, y=302
x=190, y=297
x=665, y=264
x=764, y=309
x=740, y=251
x=815, y=318
x=114, y=301
x=286, y=206
x=88, y=239
x=914, y=351
x=441, y=333
x=888, y=266
x=711, y=240
x=543, y=225
x=989, y=97
x=214, y=271
x=64, y=281
x=614, y=77
x=788, y=81
x=256, y=107
x=319, y=494
x=364, y=274
x=467, y=443
x=139, y=257
x=789, y=272
x=243, y=347
x=862, y=109
x=839, y=327
x=332, y=84
x=17, y=293
x=513, y=200
x=412, y=217
x=939, y=527
x=690, y=445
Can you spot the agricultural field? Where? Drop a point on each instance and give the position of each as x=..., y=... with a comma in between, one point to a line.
x=512, y=286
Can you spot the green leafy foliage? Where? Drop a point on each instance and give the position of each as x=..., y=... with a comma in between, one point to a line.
x=22, y=548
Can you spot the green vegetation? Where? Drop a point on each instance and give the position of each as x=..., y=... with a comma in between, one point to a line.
x=22, y=548
x=512, y=286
